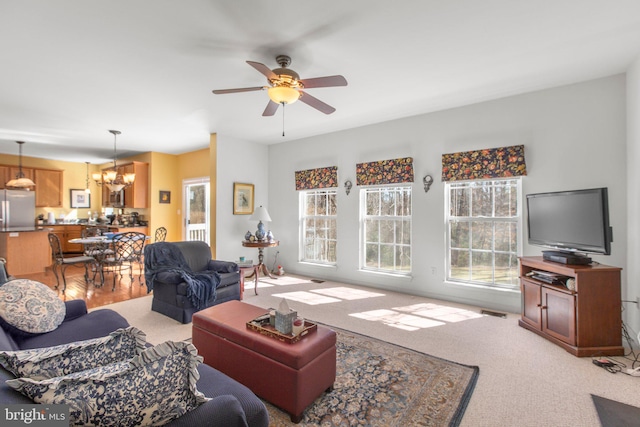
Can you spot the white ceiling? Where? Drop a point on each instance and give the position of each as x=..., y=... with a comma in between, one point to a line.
x=72, y=69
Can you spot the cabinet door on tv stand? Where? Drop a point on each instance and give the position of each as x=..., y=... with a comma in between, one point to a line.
x=558, y=315
x=531, y=303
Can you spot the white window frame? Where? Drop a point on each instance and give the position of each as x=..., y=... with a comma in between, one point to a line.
x=364, y=217
x=492, y=219
x=320, y=243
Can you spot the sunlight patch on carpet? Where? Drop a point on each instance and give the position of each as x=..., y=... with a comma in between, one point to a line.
x=307, y=298
x=406, y=322
x=284, y=281
x=346, y=293
x=440, y=312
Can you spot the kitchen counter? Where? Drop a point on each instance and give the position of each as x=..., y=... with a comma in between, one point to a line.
x=85, y=224
x=26, y=251
x=21, y=229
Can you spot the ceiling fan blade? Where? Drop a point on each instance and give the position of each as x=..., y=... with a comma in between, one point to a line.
x=316, y=103
x=271, y=109
x=263, y=69
x=244, y=89
x=329, y=81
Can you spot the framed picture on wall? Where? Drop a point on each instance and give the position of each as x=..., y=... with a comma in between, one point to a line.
x=80, y=199
x=165, y=196
x=242, y=198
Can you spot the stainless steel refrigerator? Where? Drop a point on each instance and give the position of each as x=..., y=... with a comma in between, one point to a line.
x=17, y=210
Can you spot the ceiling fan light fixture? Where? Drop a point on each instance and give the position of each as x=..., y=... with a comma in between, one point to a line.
x=283, y=94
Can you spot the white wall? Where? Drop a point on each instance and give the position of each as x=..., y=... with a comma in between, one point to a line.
x=632, y=314
x=574, y=138
x=244, y=162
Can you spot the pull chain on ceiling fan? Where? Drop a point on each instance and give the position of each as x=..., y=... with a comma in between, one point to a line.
x=286, y=87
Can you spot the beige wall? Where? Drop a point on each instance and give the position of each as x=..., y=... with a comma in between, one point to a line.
x=165, y=176
x=166, y=173
x=74, y=177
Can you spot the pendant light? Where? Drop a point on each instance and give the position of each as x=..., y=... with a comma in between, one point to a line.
x=20, y=181
x=87, y=189
x=111, y=177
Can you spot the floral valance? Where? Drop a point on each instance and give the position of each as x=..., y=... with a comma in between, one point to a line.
x=317, y=178
x=501, y=162
x=394, y=171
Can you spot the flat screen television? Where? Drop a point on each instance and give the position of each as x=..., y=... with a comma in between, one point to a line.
x=572, y=223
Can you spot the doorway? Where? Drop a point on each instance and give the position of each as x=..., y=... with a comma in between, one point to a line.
x=196, y=209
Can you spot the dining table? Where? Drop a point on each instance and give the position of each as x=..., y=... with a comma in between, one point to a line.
x=101, y=248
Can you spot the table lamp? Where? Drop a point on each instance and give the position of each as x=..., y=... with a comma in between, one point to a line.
x=260, y=214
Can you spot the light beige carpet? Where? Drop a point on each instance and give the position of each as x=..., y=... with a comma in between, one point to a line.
x=526, y=380
x=158, y=327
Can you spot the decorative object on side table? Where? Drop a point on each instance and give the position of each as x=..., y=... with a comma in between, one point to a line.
x=245, y=263
x=260, y=215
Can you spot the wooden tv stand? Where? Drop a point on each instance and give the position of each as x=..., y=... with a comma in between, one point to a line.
x=585, y=321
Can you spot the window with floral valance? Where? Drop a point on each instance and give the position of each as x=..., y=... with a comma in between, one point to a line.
x=503, y=162
x=393, y=171
x=312, y=179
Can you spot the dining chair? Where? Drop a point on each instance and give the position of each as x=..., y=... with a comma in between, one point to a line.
x=61, y=262
x=128, y=248
x=104, y=254
x=95, y=249
x=161, y=234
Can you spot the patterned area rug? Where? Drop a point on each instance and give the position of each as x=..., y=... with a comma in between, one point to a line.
x=381, y=384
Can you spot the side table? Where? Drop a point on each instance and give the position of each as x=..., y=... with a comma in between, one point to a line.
x=252, y=268
x=260, y=266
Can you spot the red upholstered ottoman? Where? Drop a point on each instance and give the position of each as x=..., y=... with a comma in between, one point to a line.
x=291, y=376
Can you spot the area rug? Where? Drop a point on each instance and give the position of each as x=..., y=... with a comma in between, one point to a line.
x=381, y=384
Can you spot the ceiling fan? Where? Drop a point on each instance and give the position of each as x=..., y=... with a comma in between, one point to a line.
x=285, y=86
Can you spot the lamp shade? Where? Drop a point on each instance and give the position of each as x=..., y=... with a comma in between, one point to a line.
x=283, y=94
x=20, y=183
x=260, y=214
x=20, y=180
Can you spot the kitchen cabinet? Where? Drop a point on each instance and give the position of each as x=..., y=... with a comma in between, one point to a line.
x=49, y=184
x=15, y=170
x=580, y=312
x=48, y=188
x=9, y=172
x=137, y=195
x=67, y=232
x=4, y=176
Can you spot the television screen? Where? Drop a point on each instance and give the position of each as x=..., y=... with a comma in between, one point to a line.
x=576, y=221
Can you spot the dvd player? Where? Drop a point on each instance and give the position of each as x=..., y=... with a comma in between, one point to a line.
x=565, y=258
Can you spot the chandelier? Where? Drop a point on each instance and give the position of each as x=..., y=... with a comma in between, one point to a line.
x=20, y=181
x=111, y=177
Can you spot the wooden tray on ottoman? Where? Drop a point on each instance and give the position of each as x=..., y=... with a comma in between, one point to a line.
x=261, y=324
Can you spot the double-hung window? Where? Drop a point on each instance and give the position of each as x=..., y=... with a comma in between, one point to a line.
x=483, y=222
x=318, y=226
x=386, y=229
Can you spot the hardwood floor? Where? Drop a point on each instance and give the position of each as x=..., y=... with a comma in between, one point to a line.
x=95, y=296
